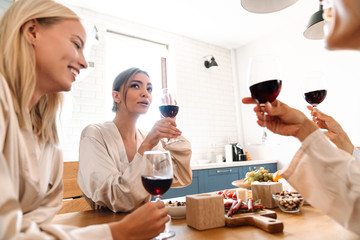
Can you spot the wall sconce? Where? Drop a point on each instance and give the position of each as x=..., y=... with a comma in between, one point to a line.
x=266, y=6
x=315, y=28
x=211, y=63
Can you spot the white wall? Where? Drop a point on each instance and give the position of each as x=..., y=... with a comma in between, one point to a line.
x=299, y=56
x=207, y=114
x=4, y=4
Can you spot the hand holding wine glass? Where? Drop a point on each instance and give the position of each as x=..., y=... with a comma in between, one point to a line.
x=264, y=82
x=157, y=178
x=169, y=108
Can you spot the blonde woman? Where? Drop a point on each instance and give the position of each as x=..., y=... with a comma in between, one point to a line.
x=41, y=45
x=110, y=156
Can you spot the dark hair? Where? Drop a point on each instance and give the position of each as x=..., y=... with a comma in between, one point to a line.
x=122, y=79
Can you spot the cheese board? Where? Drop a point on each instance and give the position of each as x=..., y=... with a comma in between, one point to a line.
x=264, y=219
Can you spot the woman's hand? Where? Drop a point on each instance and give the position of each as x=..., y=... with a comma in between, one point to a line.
x=164, y=128
x=335, y=132
x=283, y=120
x=146, y=222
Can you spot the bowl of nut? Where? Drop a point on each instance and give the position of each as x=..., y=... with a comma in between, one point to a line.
x=177, y=210
x=289, y=202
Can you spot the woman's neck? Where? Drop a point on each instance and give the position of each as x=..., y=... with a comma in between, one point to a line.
x=126, y=125
x=34, y=99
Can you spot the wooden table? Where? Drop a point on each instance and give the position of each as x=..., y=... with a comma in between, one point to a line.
x=309, y=223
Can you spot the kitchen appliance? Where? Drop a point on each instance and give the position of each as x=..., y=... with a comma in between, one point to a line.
x=238, y=153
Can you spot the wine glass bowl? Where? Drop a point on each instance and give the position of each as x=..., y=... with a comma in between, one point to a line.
x=169, y=108
x=314, y=88
x=264, y=82
x=315, y=97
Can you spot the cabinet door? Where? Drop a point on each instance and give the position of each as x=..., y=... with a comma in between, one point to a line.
x=217, y=179
x=193, y=188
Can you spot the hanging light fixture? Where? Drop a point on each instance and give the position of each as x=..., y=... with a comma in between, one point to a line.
x=266, y=6
x=211, y=64
x=315, y=28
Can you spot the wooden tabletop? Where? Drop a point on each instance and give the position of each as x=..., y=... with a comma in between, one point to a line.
x=309, y=223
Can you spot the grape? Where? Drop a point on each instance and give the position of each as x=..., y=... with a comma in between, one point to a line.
x=261, y=175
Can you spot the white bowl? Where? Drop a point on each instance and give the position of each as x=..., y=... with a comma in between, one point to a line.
x=203, y=161
x=177, y=212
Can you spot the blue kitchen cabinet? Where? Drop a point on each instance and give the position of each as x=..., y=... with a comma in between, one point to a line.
x=215, y=179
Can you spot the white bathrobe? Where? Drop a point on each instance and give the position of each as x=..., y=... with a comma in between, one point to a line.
x=31, y=183
x=106, y=177
x=328, y=178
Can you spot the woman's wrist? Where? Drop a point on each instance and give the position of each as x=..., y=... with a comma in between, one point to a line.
x=347, y=145
x=143, y=148
x=118, y=230
x=306, y=129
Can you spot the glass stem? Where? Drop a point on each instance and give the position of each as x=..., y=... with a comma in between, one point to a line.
x=264, y=136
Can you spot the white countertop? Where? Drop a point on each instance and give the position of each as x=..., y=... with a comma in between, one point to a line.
x=231, y=164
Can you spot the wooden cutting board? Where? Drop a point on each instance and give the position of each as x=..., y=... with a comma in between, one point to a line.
x=264, y=219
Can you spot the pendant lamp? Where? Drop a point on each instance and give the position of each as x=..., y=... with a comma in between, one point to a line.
x=266, y=6
x=315, y=28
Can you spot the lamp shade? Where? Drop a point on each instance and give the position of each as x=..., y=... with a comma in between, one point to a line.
x=211, y=64
x=315, y=28
x=266, y=6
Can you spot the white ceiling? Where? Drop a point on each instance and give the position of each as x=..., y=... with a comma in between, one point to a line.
x=220, y=22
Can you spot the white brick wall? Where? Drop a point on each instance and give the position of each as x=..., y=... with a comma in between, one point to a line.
x=207, y=115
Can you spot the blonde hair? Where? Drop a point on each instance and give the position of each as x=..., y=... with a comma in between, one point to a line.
x=17, y=63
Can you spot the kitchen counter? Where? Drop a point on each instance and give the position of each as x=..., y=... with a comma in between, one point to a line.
x=231, y=164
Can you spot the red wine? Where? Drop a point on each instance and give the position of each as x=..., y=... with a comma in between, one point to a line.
x=266, y=91
x=315, y=97
x=156, y=186
x=169, y=110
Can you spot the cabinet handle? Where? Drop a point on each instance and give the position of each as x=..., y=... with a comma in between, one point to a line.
x=224, y=171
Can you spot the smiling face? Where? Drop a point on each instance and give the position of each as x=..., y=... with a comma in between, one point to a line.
x=59, y=54
x=137, y=94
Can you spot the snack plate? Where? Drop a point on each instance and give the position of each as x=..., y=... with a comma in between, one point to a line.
x=241, y=184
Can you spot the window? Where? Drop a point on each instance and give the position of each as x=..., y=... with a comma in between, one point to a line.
x=123, y=52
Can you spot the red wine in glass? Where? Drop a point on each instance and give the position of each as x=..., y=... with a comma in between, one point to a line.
x=169, y=110
x=264, y=82
x=266, y=91
x=156, y=186
x=315, y=97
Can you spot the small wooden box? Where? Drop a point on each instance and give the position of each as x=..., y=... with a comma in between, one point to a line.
x=264, y=191
x=205, y=211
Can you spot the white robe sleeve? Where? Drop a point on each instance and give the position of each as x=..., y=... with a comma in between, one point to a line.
x=31, y=185
x=181, y=156
x=328, y=178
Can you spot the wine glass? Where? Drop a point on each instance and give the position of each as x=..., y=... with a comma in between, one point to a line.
x=169, y=108
x=264, y=82
x=157, y=178
x=314, y=89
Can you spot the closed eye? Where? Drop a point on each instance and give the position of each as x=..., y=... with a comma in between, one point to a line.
x=77, y=45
